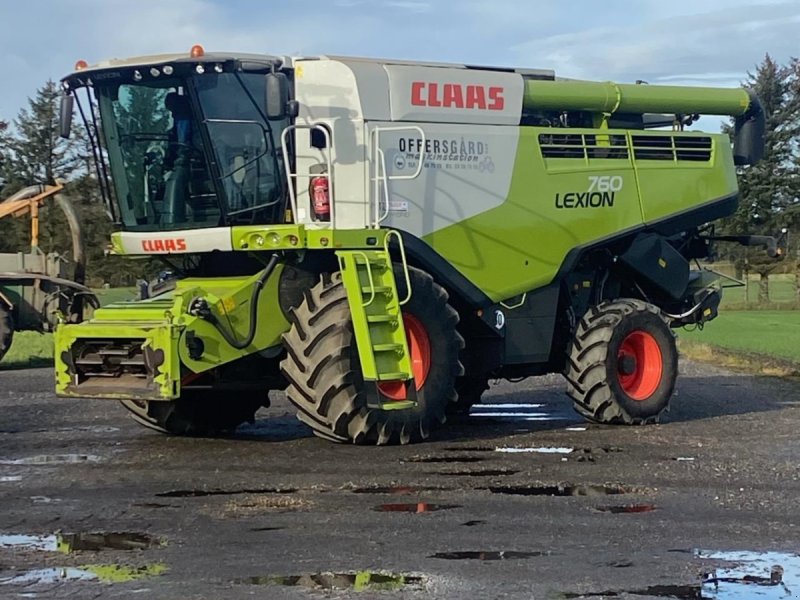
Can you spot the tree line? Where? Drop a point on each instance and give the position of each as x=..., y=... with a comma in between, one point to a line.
x=32, y=152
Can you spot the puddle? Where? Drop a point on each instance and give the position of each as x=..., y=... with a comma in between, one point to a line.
x=100, y=573
x=54, y=459
x=469, y=449
x=359, y=582
x=67, y=543
x=737, y=576
x=44, y=499
x=52, y=575
x=266, y=528
x=575, y=429
x=482, y=473
x=410, y=507
x=626, y=509
x=203, y=493
x=88, y=429
x=473, y=523
x=675, y=592
x=10, y=478
x=745, y=575
x=684, y=458
x=445, y=459
x=517, y=412
x=482, y=555
x=559, y=490
x=397, y=490
x=29, y=542
x=542, y=450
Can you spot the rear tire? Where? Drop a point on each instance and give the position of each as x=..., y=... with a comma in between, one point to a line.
x=6, y=331
x=324, y=373
x=198, y=413
x=622, y=363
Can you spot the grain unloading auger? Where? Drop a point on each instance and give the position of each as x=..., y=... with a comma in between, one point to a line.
x=382, y=237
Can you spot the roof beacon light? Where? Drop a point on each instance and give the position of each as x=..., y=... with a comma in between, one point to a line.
x=81, y=65
x=197, y=51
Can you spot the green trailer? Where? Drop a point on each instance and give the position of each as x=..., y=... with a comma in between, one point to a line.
x=382, y=238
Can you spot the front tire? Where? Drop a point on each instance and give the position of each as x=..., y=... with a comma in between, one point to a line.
x=6, y=331
x=197, y=413
x=324, y=374
x=622, y=364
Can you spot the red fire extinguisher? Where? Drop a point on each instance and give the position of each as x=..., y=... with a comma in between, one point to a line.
x=320, y=198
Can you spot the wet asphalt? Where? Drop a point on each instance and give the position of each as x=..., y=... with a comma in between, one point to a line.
x=595, y=512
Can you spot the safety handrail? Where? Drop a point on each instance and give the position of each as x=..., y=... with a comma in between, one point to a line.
x=403, y=262
x=381, y=179
x=292, y=177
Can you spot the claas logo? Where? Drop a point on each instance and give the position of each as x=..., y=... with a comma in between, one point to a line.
x=456, y=95
x=165, y=245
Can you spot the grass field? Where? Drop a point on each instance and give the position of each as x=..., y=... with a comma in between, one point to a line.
x=781, y=291
x=774, y=333
x=29, y=349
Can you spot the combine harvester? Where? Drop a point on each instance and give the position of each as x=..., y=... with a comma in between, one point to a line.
x=385, y=237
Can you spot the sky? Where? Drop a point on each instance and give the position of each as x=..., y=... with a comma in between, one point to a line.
x=699, y=42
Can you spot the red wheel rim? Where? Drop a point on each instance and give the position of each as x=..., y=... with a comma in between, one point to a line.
x=419, y=345
x=639, y=365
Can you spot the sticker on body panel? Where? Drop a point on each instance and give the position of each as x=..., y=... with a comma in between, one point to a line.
x=174, y=242
x=454, y=95
x=465, y=170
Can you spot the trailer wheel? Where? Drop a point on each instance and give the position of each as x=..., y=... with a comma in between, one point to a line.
x=325, y=380
x=196, y=414
x=6, y=331
x=622, y=363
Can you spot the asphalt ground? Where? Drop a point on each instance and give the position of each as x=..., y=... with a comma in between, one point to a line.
x=595, y=512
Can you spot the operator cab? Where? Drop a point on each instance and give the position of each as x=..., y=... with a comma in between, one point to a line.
x=189, y=142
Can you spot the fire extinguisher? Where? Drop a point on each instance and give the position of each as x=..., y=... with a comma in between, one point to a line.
x=320, y=197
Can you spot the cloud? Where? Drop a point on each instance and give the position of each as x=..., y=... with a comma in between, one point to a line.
x=683, y=41
x=702, y=47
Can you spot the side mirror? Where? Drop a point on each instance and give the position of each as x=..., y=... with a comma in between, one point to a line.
x=277, y=96
x=65, y=114
x=749, y=133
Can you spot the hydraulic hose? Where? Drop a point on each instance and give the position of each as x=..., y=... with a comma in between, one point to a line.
x=206, y=314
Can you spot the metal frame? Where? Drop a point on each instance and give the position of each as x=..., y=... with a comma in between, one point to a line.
x=292, y=177
x=381, y=179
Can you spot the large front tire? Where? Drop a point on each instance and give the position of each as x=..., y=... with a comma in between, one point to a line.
x=6, y=331
x=325, y=379
x=198, y=413
x=622, y=363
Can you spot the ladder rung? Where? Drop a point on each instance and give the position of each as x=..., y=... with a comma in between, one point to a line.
x=376, y=260
x=381, y=319
x=393, y=376
x=387, y=347
x=378, y=289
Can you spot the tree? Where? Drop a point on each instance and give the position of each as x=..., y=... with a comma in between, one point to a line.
x=769, y=189
x=34, y=153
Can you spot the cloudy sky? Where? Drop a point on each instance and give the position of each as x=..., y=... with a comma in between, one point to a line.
x=679, y=41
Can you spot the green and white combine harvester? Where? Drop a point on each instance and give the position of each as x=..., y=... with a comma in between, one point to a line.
x=382, y=238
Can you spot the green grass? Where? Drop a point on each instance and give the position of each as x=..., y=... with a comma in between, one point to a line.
x=773, y=333
x=107, y=296
x=29, y=349
x=781, y=291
